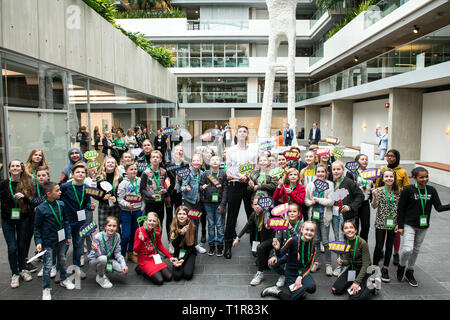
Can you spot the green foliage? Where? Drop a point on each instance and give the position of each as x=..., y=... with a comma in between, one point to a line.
x=108, y=11
x=140, y=14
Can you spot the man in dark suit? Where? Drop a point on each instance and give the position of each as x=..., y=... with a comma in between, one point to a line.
x=314, y=134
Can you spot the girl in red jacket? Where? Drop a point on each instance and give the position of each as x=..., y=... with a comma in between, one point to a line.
x=290, y=189
x=147, y=242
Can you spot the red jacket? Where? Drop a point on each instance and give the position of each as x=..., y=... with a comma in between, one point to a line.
x=297, y=195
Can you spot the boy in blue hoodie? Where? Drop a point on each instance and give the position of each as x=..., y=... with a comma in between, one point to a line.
x=52, y=233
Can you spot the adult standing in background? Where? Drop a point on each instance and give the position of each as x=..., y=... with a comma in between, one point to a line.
x=227, y=136
x=160, y=143
x=215, y=133
x=314, y=134
x=97, y=137
x=382, y=142
x=288, y=135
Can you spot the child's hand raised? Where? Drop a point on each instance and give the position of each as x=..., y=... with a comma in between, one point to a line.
x=141, y=236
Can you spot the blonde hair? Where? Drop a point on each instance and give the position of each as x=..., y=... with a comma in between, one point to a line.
x=28, y=169
x=157, y=218
x=290, y=170
x=300, y=236
x=24, y=186
x=174, y=227
x=102, y=171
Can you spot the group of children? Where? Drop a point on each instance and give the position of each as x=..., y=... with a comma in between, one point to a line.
x=136, y=195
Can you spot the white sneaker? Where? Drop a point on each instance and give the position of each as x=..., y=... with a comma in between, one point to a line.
x=67, y=284
x=15, y=281
x=82, y=261
x=281, y=281
x=257, y=279
x=41, y=272
x=26, y=275
x=322, y=248
x=337, y=272
x=171, y=248
x=316, y=266
x=46, y=294
x=329, y=270
x=200, y=249
x=53, y=272
x=270, y=291
x=103, y=282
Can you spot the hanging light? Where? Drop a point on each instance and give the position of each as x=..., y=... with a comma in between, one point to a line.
x=416, y=29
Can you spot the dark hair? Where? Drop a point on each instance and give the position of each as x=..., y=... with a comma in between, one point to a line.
x=235, y=137
x=48, y=186
x=395, y=185
x=359, y=155
x=348, y=221
x=415, y=172
x=79, y=164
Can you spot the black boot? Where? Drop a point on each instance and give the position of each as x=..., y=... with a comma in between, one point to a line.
x=400, y=272
x=227, y=253
x=396, y=259
x=212, y=249
x=409, y=275
x=219, y=251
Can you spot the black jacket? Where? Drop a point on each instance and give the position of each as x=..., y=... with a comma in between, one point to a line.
x=354, y=199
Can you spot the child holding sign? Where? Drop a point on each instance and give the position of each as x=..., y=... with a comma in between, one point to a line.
x=52, y=234
x=308, y=173
x=130, y=211
x=414, y=211
x=320, y=203
x=385, y=198
x=147, y=242
x=300, y=253
x=105, y=254
x=182, y=239
x=213, y=193
x=290, y=190
x=260, y=237
x=260, y=182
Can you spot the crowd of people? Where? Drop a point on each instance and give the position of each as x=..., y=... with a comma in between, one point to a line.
x=134, y=194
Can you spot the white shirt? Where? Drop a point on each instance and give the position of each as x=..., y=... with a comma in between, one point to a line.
x=237, y=156
x=314, y=134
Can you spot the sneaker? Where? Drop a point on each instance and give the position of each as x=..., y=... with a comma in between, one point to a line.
x=329, y=270
x=212, y=250
x=41, y=272
x=385, y=275
x=67, y=284
x=53, y=272
x=409, y=275
x=396, y=259
x=200, y=249
x=227, y=253
x=30, y=267
x=15, y=281
x=132, y=257
x=337, y=272
x=219, y=251
x=400, y=272
x=25, y=275
x=103, y=282
x=82, y=260
x=281, y=280
x=315, y=267
x=82, y=275
x=270, y=291
x=257, y=279
x=46, y=294
x=57, y=278
x=171, y=249
x=322, y=248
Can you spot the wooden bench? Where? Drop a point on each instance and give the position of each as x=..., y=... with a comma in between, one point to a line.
x=435, y=165
x=438, y=172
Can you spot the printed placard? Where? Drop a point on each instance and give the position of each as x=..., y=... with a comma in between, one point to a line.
x=265, y=202
x=352, y=166
x=276, y=172
x=233, y=170
x=94, y=192
x=131, y=198
x=206, y=136
x=321, y=185
x=333, y=140
x=278, y=223
x=93, y=165
x=194, y=214
x=280, y=210
x=371, y=174
x=183, y=172
x=339, y=194
x=338, y=247
x=168, y=131
x=142, y=166
x=292, y=155
x=266, y=145
x=167, y=183
x=322, y=151
x=339, y=153
x=105, y=185
x=91, y=155
x=172, y=167
x=214, y=180
x=246, y=168
x=88, y=229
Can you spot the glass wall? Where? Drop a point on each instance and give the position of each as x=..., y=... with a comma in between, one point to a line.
x=212, y=90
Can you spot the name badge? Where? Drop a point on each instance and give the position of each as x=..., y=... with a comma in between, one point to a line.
x=157, y=258
x=255, y=245
x=316, y=214
x=81, y=214
x=61, y=235
x=215, y=197
x=109, y=266
x=351, y=275
x=181, y=254
x=15, y=213
x=389, y=222
x=423, y=221
x=335, y=211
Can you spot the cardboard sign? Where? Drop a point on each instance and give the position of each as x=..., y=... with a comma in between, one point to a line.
x=339, y=194
x=194, y=214
x=183, y=172
x=167, y=183
x=105, y=185
x=233, y=170
x=352, y=166
x=168, y=131
x=266, y=145
x=214, y=180
x=172, y=167
x=94, y=192
x=333, y=140
x=280, y=210
x=206, y=136
x=142, y=166
x=321, y=185
x=371, y=174
x=276, y=172
x=338, y=247
x=91, y=155
x=266, y=203
x=246, y=168
x=131, y=198
x=292, y=155
x=88, y=229
x=339, y=153
x=278, y=223
x=93, y=165
x=322, y=151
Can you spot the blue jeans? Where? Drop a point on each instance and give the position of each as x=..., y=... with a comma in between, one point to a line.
x=77, y=241
x=307, y=282
x=279, y=266
x=129, y=227
x=59, y=252
x=216, y=221
x=322, y=235
x=336, y=224
x=89, y=219
x=15, y=232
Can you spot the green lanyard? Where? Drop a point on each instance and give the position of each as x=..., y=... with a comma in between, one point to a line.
x=336, y=186
x=157, y=182
x=134, y=187
x=364, y=182
x=289, y=198
x=37, y=183
x=388, y=202
x=354, y=251
x=54, y=213
x=298, y=165
x=312, y=177
x=145, y=159
x=295, y=228
x=12, y=194
x=423, y=199
x=256, y=224
x=303, y=251
x=153, y=239
x=76, y=194
x=106, y=248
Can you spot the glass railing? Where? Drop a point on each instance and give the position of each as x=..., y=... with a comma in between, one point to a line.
x=380, y=10
x=426, y=51
x=209, y=62
x=217, y=25
x=237, y=97
x=316, y=16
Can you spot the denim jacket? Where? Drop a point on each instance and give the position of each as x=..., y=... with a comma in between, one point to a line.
x=192, y=180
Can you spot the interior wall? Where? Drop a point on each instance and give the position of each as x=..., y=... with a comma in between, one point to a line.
x=366, y=117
